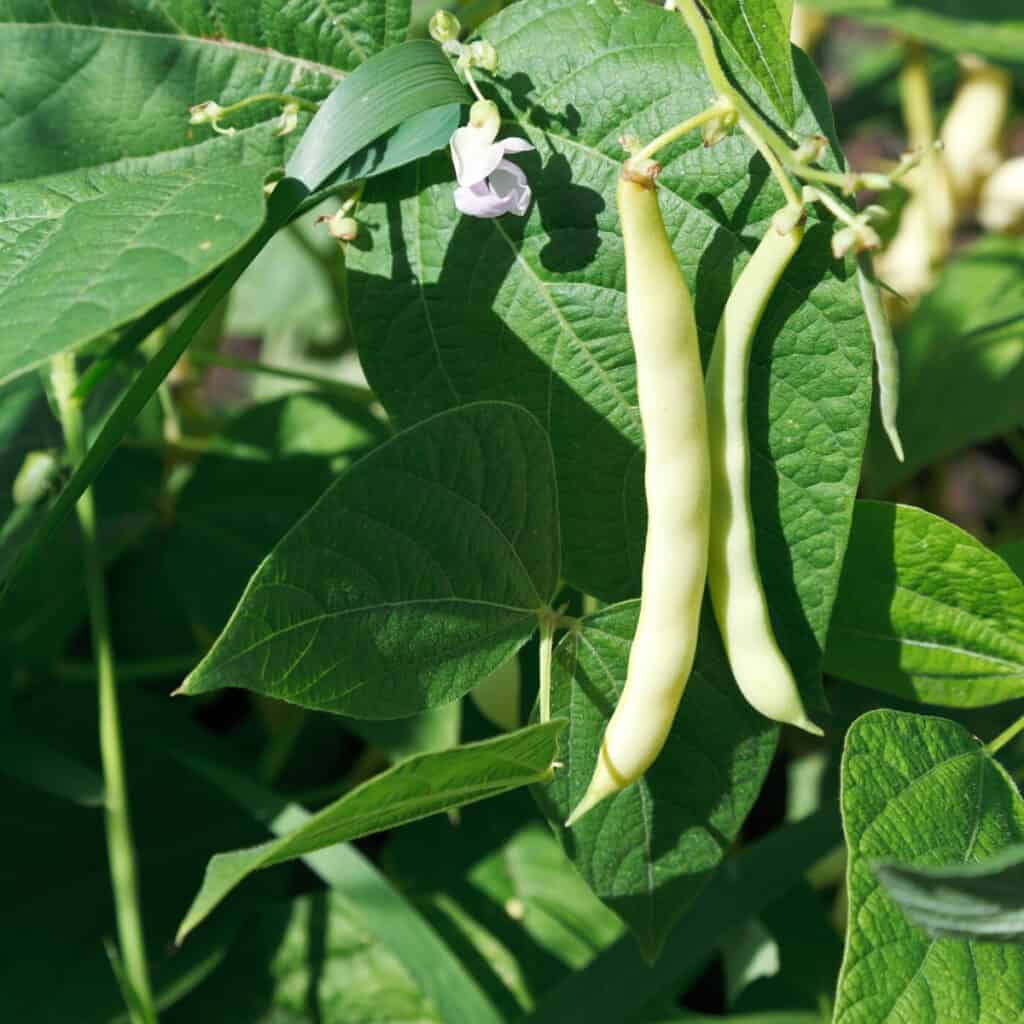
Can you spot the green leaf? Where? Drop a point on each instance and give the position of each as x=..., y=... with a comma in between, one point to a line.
x=369, y=897
x=759, y=30
x=278, y=458
x=413, y=789
x=340, y=35
x=619, y=984
x=926, y=612
x=648, y=851
x=130, y=205
x=963, y=901
x=376, y=98
x=451, y=309
x=991, y=28
x=961, y=360
x=922, y=791
x=416, y=574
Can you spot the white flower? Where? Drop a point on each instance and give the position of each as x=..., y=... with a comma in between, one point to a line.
x=489, y=185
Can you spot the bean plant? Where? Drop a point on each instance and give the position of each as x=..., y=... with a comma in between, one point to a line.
x=358, y=666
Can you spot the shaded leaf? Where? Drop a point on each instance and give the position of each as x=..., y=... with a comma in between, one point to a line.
x=926, y=612
x=412, y=789
x=923, y=792
x=966, y=901
x=649, y=850
x=416, y=574
x=961, y=360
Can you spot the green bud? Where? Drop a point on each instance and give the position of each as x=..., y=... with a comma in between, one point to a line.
x=482, y=54
x=37, y=473
x=444, y=27
x=484, y=114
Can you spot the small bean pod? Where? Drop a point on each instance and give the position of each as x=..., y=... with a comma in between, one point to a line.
x=737, y=593
x=676, y=479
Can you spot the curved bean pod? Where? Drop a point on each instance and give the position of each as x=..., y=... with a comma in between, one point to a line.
x=737, y=593
x=677, y=483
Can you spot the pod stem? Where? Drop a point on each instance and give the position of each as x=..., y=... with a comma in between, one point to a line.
x=683, y=128
x=120, y=845
x=548, y=623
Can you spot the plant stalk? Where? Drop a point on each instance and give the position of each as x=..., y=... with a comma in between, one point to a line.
x=120, y=846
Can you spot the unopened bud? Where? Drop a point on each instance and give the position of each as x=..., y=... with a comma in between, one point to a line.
x=209, y=113
x=855, y=238
x=482, y=54
x=444, y=27
x=719, y=127
x=811, y=149
x=343, y=228
x=484, y=115
x=288, y=120
x=37, y=473
x=630, y=143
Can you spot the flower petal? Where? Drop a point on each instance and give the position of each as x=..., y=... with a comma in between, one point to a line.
x=509, y=182
x=474, y=154
x=514, y=144
x=481, y=200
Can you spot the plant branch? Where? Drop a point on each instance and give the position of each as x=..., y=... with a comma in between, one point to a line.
x=120, y=846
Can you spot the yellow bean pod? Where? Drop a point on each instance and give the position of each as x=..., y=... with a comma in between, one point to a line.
x=677, y=483
x=737, y=592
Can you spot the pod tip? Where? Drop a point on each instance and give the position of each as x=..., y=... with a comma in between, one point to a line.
x=803, y=722
x=606, y=782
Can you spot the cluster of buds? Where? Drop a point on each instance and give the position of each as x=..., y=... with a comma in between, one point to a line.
x=445, y=29
x=212, y=113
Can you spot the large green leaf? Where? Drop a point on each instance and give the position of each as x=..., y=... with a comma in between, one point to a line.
x=416, y=574
x=994, y=28
x=967, y=901
x=926, y=612
x=759, y=30
x=413, y=789
x=450, y=309
x=922, y=791
x=961, y=360
x=127, y=204
x=648, y=851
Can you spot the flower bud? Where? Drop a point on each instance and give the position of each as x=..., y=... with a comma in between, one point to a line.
x=811, y=149
x=341, y=226
x=444, y=27
x=37, y=473
x=485, y=116
x=288, y=120
x=482, y=54
x=209, y=113
x=719, y=127
x=854, y=238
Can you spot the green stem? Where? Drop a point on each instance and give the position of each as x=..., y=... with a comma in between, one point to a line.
x=681, y=129
x=120, y=846
x=271, y=97
x=364, y=396
x=142, y=670
x=1005, y=736
x=547, y=639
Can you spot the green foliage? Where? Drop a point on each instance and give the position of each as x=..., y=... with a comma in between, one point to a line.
x=923, y=792
x=449, y=309
x=964, y=901
x=759, y=30
x=419, y=572
x=413, y=789
x=987, y=27
x=965, y=341
x=926, y=612
x=648, y=851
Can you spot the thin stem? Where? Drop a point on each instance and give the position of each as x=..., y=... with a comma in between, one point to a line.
x=836, y=208
x=1005, y=736
x=681, y=129
x=120, y=846
x=364, y=396
x=471, y=82
x=547, y=639
x=271, y=97
x=769, y=143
